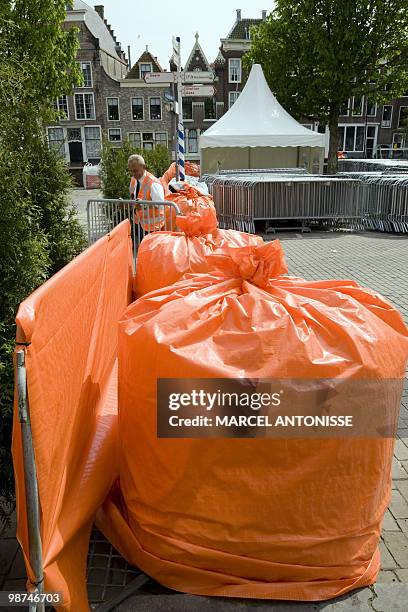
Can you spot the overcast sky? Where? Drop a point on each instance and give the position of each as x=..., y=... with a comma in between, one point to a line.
x=139, y=23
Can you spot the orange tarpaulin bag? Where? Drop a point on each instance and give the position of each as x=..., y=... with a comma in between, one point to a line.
x=163, y=258
x=69, y=327
x=190, y=199
x=190, y=168
x=255, y=518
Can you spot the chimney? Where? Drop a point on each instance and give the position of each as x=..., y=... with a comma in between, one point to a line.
x=100, y=10
x=264, y=15
x=129, y=58
x=238, y=14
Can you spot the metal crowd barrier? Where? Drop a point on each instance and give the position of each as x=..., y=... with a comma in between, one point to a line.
x=144, y=216
x=242, y=200
x=386, y=206
x=385, y=200
x=372, y=165
x=264, y=171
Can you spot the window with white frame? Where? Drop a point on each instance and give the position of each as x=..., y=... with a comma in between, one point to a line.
x=235, y=70
x=145, y=68
x=351, y=138
x=161, y=139
x=398, y=141
x=84, y=106
x=192, y=141
x=61, y=107
x=209, y=109
x=137, y=109
x=86, y=73
x=155, y=109
x=112, y=105
x=386, y=116
x=232, y=97
x=56, y=140
x=115, y=134
x=357, y=106
x=135, y=139
x=371, y=108
x=148, y=140
x=403, y=117
x=93, y=142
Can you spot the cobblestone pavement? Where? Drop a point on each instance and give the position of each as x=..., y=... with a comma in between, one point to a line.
x=378, y=261
x=80, y=199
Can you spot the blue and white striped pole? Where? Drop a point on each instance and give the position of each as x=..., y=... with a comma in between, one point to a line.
x=180, y=128
x=181, y=150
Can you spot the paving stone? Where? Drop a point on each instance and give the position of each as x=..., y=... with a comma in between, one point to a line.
x=387, y=560
x=398, y=505
x=400, y=450
x=390, y=597
x=398, y=471
x=397, y=545
x=389, y=523
x=403, y=525
x=402, y=486
x=387, y=576
x=402, y=575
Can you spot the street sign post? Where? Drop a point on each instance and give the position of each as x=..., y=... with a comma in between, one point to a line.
x=160, y=77
x=196, y=91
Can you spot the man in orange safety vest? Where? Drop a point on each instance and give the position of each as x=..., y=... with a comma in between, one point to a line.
x=146, y=187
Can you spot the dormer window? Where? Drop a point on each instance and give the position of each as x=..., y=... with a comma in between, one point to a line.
x=247, y=33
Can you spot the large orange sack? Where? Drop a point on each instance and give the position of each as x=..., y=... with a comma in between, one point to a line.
x=287, y=519
x=164, y=257
x=190, y=168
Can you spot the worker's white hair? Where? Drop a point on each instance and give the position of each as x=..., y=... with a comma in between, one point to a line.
x=137, y=158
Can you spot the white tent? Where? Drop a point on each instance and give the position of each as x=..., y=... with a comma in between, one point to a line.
x=257, y=132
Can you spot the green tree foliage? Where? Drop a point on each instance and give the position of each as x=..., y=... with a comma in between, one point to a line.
x=114, y=167
x=38, y=231
x=316, y=54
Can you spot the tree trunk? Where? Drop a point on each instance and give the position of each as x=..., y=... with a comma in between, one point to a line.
x=334, y=142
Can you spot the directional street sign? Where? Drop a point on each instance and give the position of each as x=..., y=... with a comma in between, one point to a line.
x=196, y=91
x=199, y=76
x=160, y=77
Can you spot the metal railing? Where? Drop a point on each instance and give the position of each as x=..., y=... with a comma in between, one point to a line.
x=372, y=165
x=241, y=200
x=144, y=216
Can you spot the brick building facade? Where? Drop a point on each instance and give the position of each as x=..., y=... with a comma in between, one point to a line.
x=116, y=102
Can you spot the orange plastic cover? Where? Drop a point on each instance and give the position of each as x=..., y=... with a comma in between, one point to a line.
x=71, y=325
x=163, y=258
x=252, y=517
x=190, y=168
